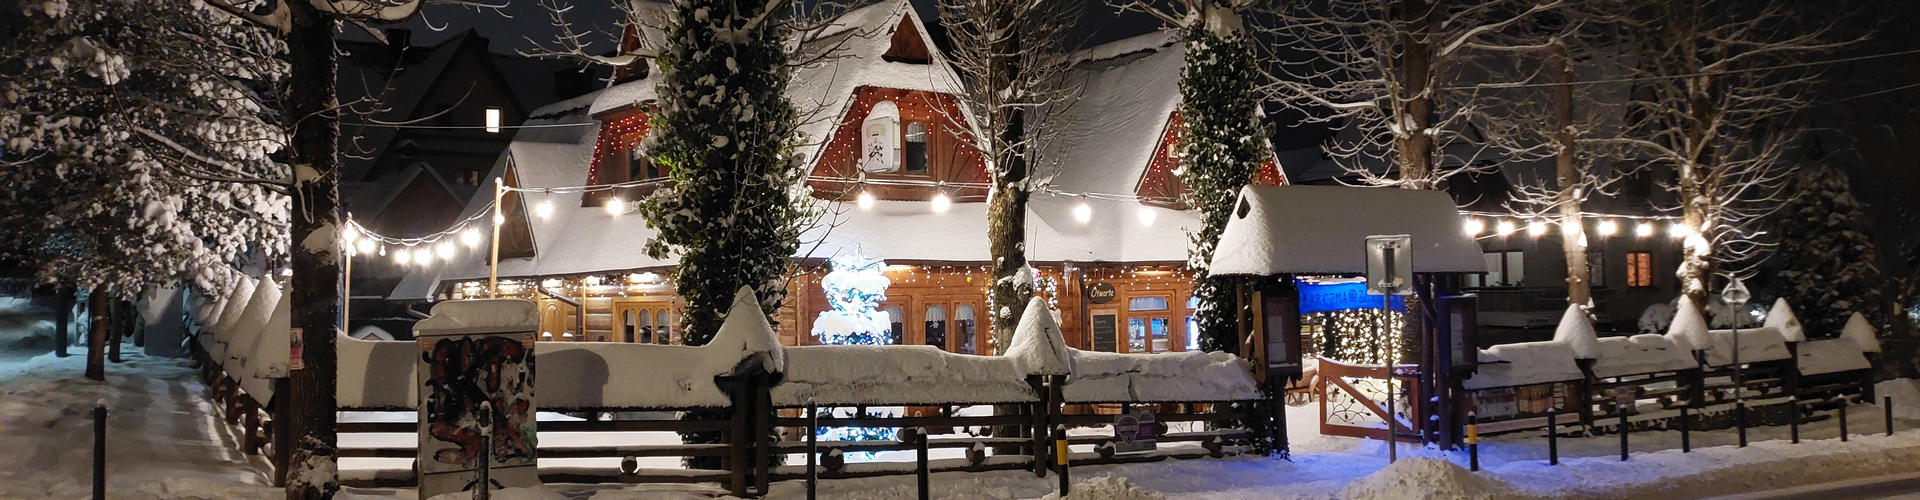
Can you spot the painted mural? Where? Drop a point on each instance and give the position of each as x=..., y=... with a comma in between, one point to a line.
x=467, y=371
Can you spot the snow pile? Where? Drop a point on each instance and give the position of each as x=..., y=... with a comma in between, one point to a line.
x=253, y=319
x=1831, y=356
x=1656, y=318
x=1689, y=328
x=1639, y=354
x=603, y=374
x=1105, y=377
x=1756, y=345
x=523, y=493
x=1861, y=333
x=1905, y=394
x=1525, y=363
x=746, y=333
x=1780, y=317
x=1576, y=330
x=1105, y=488
x=1038, y=347
x=1424, y=477
x=380, y=374
x=271, y=351
x=898, y=374
x=236, y=307
x=455, y=317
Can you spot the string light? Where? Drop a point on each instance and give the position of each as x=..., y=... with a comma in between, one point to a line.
x=1147, y=215
x=365, y=246
x=1678, y=230
x=1536, y=228
x=941, y=202
x=1474, y=226
x=1083, y=213
x=1643, y=229
x=445, y=250
x=1608, y=227
x=865, y=200
x=616, y=206
x=470, y=237
x=350, y=234
x=1504, y=227
x=403, y=256
x=543, y=210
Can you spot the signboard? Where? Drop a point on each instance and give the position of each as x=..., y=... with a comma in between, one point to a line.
x=1105, y=332
x=1134, y=432
x=880, y=138
x=1390, y=264
x=1101, y=292
x=1325, y=297
x=1283, y=335
x=294, y=361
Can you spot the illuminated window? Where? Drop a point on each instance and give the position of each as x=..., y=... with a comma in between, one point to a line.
x=493, y=120
x=963, y=328
x=1640, y=269
x=1504, y=268
x=1147, y=304
x=937, y=327
x=916, y=150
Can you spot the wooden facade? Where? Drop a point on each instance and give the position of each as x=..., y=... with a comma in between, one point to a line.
x=928, y=131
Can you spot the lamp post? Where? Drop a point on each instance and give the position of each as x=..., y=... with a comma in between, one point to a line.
x=1735, y=295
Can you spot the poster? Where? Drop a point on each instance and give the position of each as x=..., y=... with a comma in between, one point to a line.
x=463, y=372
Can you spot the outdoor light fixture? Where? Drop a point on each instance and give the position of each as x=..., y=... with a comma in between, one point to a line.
x=350, y=234
x=444, y=250
x=1146, y=216
x=403, y=256
x=865, y=200
x=1505, y=227
x=1608, y=227
x=544, y=209
x=1083, y=213
x=1536, y=228
x=1679, y=230
x=1474, y=226
x=1643, y=230
x=364, y=246
x=616, y=206
x=941, y=202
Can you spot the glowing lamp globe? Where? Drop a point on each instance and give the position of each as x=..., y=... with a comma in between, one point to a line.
x=1083, y=213
x=1474, y=227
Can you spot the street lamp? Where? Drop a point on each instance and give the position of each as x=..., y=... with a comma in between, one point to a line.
x=1735, y=295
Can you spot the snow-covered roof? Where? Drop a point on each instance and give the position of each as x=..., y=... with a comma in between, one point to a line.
x=1756, y=345
x=1831, y=356
x=847, y=55
x=1107, y=134
x=1861, y=333
x=1781, y=317
x=1524, y=363
x=1577, y=332
x=1323, y=229
x=1641, y=354
x=1106, y=377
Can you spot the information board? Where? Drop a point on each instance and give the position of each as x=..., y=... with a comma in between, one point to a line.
x=1106, y=333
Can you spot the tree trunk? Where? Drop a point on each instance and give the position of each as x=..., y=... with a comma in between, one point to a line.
x=96, y=336
x=1573, y=227
x=62, y=319
x=1006, y=236
x=116, y=328
x=1416, y=147
x=313, y=471
x=1695, y=266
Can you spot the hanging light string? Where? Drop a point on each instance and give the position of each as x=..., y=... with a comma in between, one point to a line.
x=358, y=231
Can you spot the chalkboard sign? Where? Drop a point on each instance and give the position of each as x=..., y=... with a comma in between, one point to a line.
x=1105, y=333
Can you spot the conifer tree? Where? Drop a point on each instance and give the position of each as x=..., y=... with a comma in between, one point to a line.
x=1828, y=266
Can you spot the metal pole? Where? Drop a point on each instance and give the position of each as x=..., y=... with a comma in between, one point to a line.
x=1393, y=419
x=920, y=463
x=346, y=284
x=1061, y=457
x=1686, y=437
x=1740, y=420
x=1886, y=407
x=1553, y=439
x=1793, y=419
x=493, y=263
x=100, y=450
x=813, y=448
x=1843, y=418
x=1473, y=443
x=1622, y=410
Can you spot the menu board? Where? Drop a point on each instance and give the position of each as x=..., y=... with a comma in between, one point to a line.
x=1105, y=332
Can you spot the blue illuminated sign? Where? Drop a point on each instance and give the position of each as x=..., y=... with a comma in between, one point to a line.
x=1322, y=297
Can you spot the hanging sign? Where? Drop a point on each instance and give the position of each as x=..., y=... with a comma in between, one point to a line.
x=1390, y=264
x=1325, y=297
x=1134, y=432
x=294, y=361
x=880, y=138
x=1101, y=292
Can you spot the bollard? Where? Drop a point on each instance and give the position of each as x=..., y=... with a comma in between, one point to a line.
x=813, y=448
x=1686, y=440
x=1473, y=443
x=1843, y=418
x=1886, y=406
x=920, y=462
x=1740, y=420
x=1061, y=457
x=1553, y=439
x=100, y=449
x=1622, y=410
x=1793, y=422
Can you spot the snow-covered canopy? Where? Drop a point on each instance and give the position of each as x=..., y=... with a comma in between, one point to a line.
x=1524, y=363
x=1756, y=345
x=1861, y=333
x=1577, y=332
x=1689, y=327
x=897, y=374
x=1038, y=347
x=1106, y=377
x=1641, y=354
x=1831, y=356
x=1322, y=229
x=1780, y=317
x=460, y=317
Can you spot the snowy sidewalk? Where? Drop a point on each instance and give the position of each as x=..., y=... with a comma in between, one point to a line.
x=163, y=438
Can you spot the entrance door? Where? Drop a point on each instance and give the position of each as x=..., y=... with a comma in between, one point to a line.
x=1149, y=325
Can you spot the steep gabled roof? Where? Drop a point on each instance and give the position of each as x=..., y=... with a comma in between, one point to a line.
x=1107, y=136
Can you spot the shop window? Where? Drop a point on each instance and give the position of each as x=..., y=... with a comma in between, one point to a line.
x=1504, y=268
x=898, y=322
x=1147, y=304
x=1640, y=269
x=916, y=150
x=963, y=327
x=663, y=328
x=1148, y=334
x=937, y=327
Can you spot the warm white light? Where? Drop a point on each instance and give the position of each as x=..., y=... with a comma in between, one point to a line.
x=941, y=203
x=444, y=250
x=1474, y=226
x=1536, y=228
x=1643, y=229
x=1083, y=213
x=499, y=219
x=403, y=256
x=1608, y=227
x=616, y=206
x=1505, y=227
x=470, y=237
x=383, y=250
x=865, y=200
x=1146, y=216
x=365, y=246
x=544, y=209
x=350, y=234
x=493, y=120
x=1679, y=230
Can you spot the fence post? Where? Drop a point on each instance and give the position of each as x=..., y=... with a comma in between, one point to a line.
x=1473, y=442
x=1886, y=407
x=1622, y=411
x=1062, y=457
x=1686, y=439
x=920, y=462
x=1553, y=439
x=484, y=490
x=1740, y=420
x=100, y=450
x=813, y=448
x=1843, y=418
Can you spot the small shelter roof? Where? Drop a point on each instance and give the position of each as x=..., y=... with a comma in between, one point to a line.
x=1322, y=229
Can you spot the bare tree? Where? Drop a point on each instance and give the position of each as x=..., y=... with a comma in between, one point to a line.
x=1011, y=59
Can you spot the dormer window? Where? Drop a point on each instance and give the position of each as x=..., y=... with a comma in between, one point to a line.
x=916, y=151
x=640, y=166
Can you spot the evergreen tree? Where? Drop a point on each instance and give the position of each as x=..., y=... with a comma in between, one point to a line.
x=1222, y=145
x=1828, y=267
x=726, y=132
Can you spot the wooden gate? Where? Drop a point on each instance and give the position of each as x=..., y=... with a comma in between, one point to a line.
x=1353, y=401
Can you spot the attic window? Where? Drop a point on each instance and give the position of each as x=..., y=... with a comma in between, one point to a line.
x=493, y=120
x=907, y=46
x=916, y=151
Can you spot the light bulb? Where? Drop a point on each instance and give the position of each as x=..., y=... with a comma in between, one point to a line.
x=1536, y=228
x=1643, y=230
x=865, y=200
x=1474, y=226
x=499, y=219
x=941, y=203
x=383, y=250
x=616, y=206
x=470, y=237
x=1505, y=227
x=1146, y=216
x=365, y=246
x=350, y=234
x=1608, y=227
x=543, y=210
x=444, y=250
x=403, y=256
x=1679, y=230
x=1083, y=213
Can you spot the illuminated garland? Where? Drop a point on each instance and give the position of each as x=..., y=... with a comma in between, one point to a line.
x=1354, y=335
